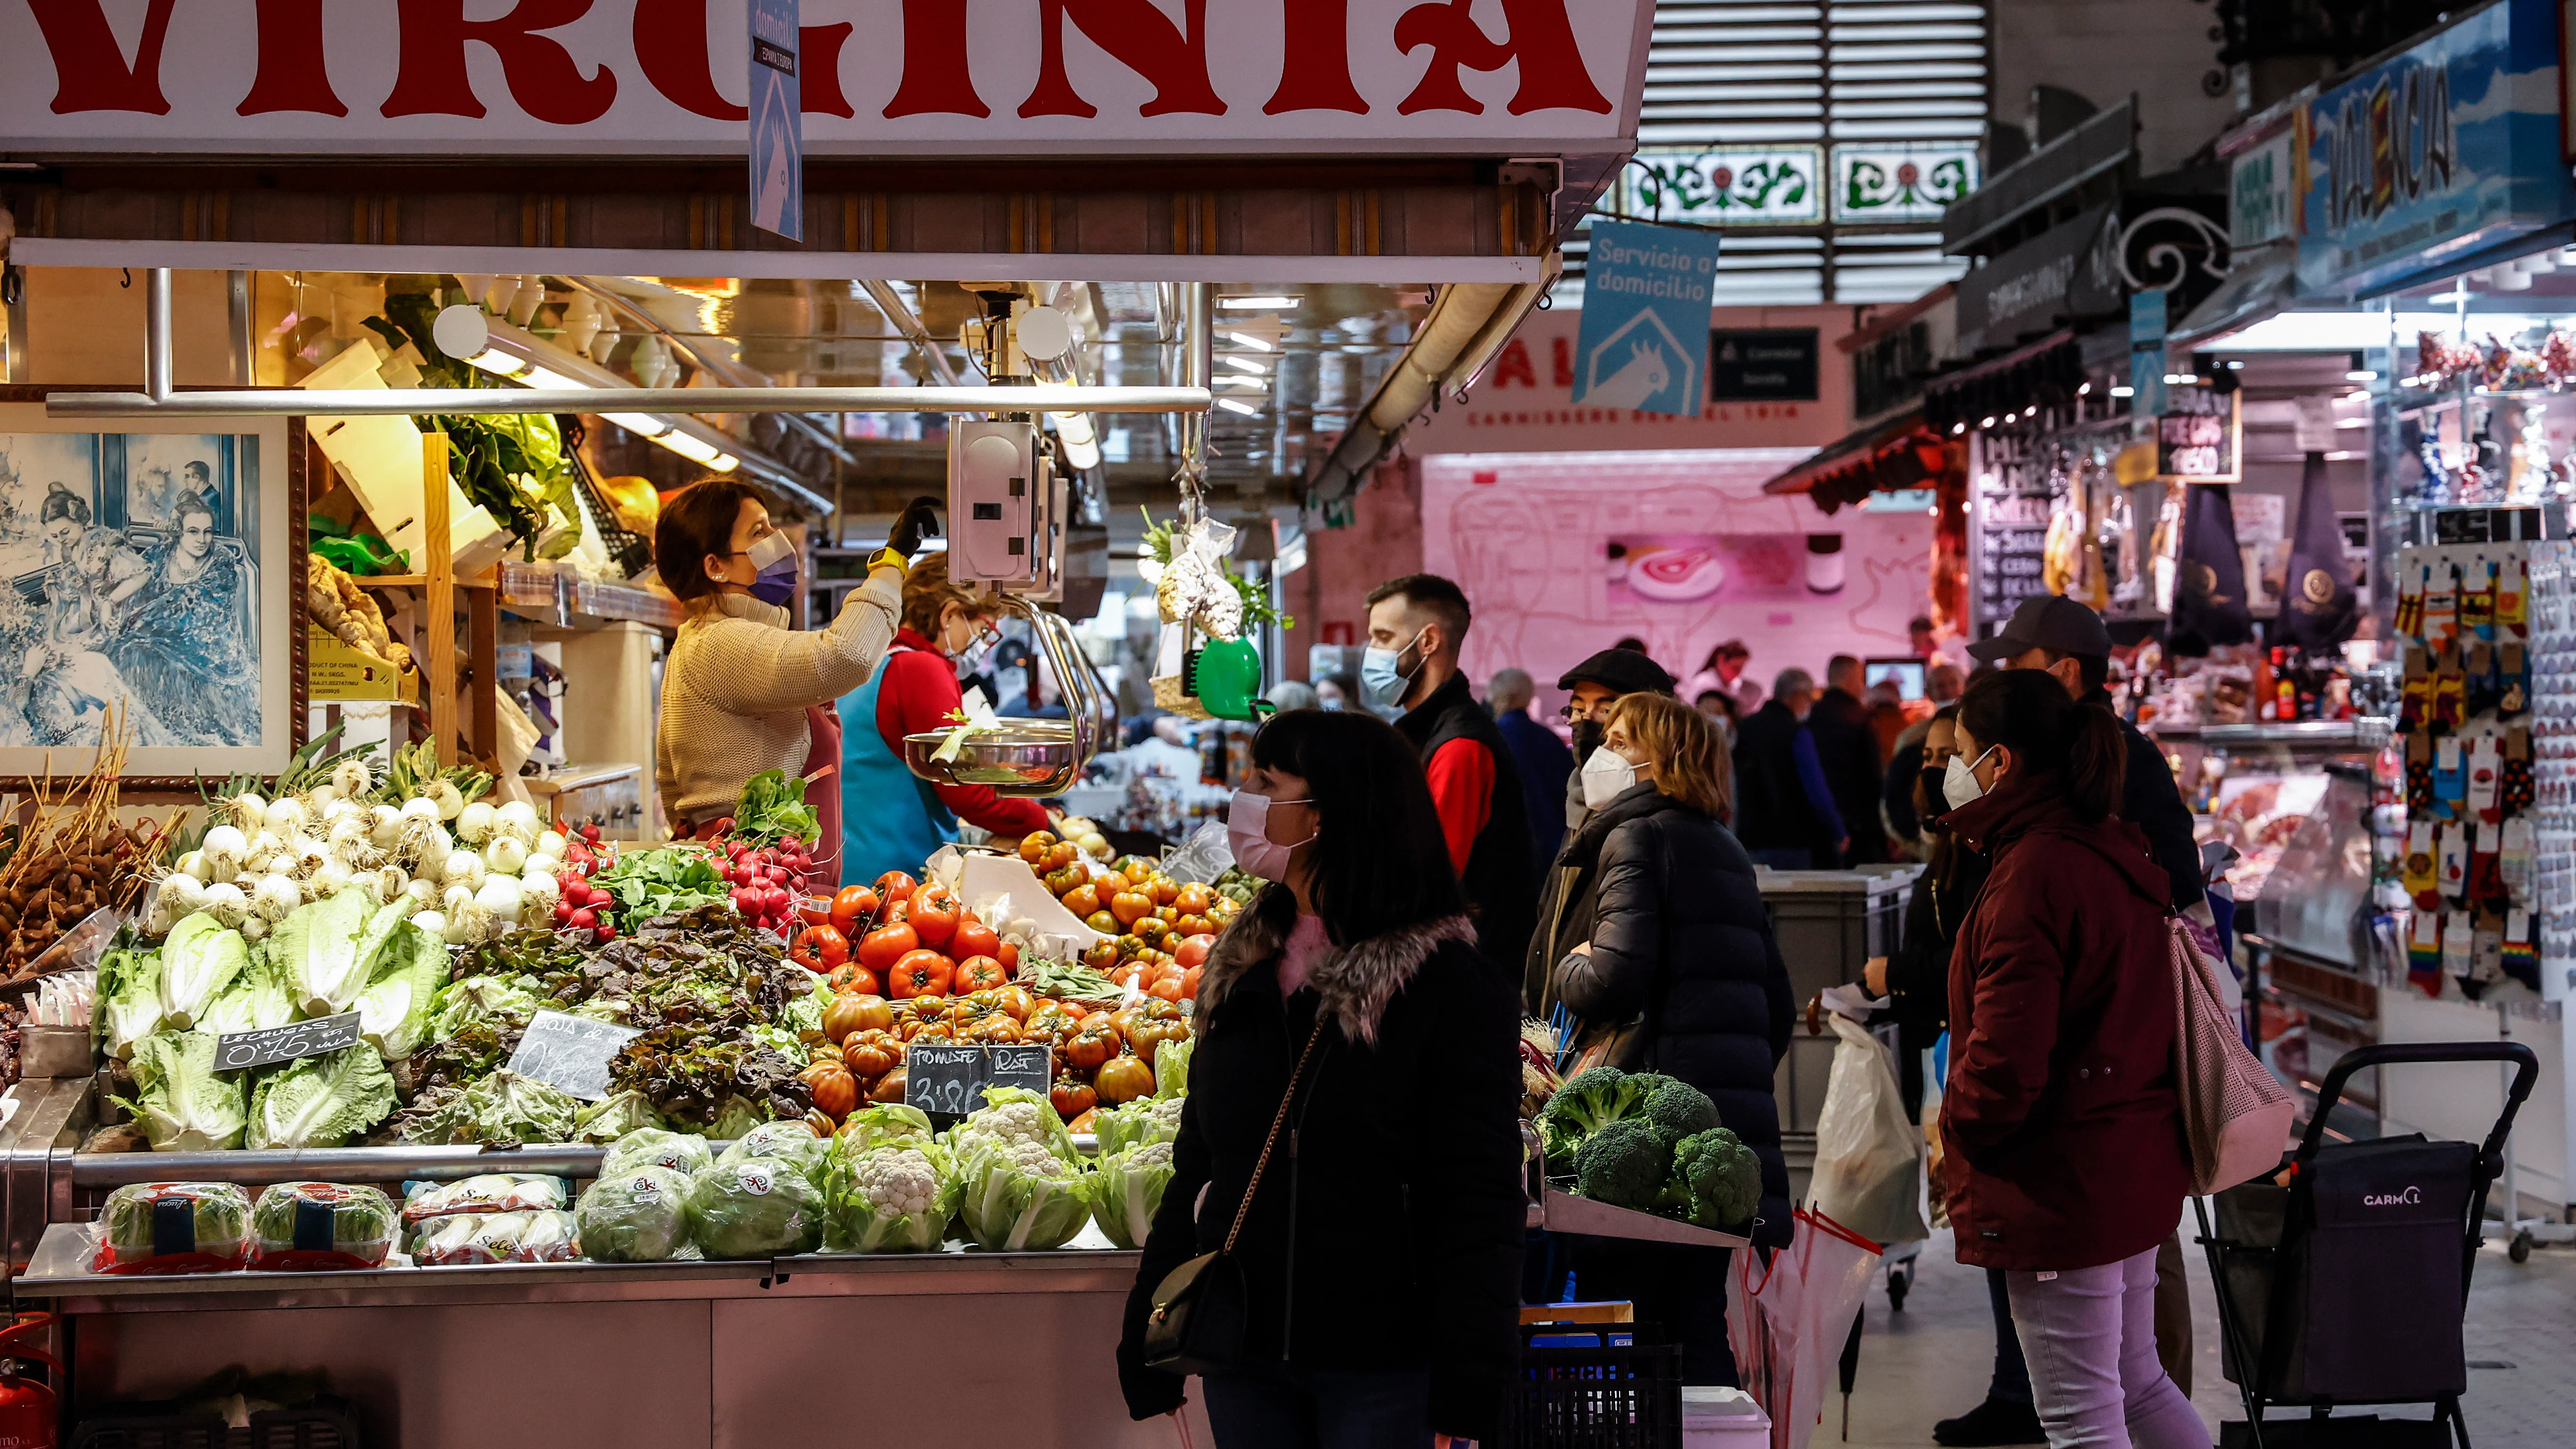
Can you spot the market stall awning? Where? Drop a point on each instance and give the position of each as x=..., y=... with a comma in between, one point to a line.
x=2260, y=285
x=1902, y=452
x=2045, y=373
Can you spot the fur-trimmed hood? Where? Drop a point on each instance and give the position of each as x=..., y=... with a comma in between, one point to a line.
x=1355, y=985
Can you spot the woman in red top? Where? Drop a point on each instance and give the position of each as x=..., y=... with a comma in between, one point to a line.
x=2062, y=1127
x=892, y=819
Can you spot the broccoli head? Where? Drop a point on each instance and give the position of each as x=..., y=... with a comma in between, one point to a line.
x=1584, y=1105
x=1716, y=1181
x=1679, y=1109
x=1623, y=1164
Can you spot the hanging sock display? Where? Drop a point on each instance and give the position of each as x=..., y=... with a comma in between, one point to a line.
x=2486, y=765
x=2486, y=872
x=2478, y=600
x=2482, y=687
x=2422, y=874
x=2459, y=945
x=2450, y=690
x=2450, y=778
x=2451, y=851
x=2513, y=679
x=2424, y=953
x=2410, y=606
x=2516, y=790
x=2415, y=698
x=2515, y=861
x=2486, y=950
x=2513, y=598
x=2519, y=950
x=2419, y=776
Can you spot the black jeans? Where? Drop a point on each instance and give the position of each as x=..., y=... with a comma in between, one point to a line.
x=1290, y=1406
x=1681, y=1290
x=2011, y=1383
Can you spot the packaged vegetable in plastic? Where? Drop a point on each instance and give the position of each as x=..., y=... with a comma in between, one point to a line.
x=789, y=1142
x=491, y=1192
x=1127, y=1188
x=318, y=1226
x=517, y=1237
x=1020, y=1196
x=682, y=1152
x=890, y=1199
x=174, y=1227
x=755, y=1207
x=638, y=1216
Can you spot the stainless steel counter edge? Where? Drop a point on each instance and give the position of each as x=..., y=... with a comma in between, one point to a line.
x=1073, y=1270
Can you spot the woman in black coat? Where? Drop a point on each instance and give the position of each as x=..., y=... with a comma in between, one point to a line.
x=1382, y=1247
x=1667, y=927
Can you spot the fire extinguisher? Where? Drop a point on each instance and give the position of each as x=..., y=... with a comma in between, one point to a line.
x=30, y=1413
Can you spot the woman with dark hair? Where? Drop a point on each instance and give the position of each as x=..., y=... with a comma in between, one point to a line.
x=184, y=641
x=1916, y=980
x=1660, y=945
x=62, y=518
x=1381, y=1249
x=743, y=691
x=2061, y=1126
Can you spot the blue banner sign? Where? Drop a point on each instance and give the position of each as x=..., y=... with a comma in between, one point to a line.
x=1644, y=341
x=2434, y=155
x=777, y=121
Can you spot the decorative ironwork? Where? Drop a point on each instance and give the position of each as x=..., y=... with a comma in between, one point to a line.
x=2160, y=249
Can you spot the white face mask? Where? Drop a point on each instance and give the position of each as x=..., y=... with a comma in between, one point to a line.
x=1605, y=777
x=1959, y=779
x=1247, y=833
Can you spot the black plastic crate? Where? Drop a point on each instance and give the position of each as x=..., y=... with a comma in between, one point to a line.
x=1599, y=1396
x=326, y=1423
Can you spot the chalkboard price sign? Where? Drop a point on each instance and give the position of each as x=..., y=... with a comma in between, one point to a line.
x=571, y=1052
x=238, y=1050
x=948, y=1078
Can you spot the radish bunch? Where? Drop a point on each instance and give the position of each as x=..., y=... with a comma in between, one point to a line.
x=767, y=881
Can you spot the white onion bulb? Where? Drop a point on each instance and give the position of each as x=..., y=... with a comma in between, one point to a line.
x=352, y=779
x=469, y=925
x=454, y=899
x=474, y=823
x=248, y=809
x=321, y=798
x=500, y=895
x=227, y=904
x=519, y=818
x=541, y=886
x=284, y=816
x=341, y=812
x=450, y=800
x=388, y=882
x=330, y=878
x=254, y=928
x=276, y=897
x=422, y=893
x=463, y=868
x=385, y=824
x=421, y=807
x=193, y=863
x=505, y=854
x=432, y=922
x=223, y=850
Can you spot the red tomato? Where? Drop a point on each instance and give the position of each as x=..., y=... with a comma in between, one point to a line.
x=881, y=948
x=1193, y=951
x=974, y=938
x=1009, y=956
x=819, y=948
x=894, y=885
x=980, y=973
x=1169, y=988
x=851, y=978
x=1190, y=982
x=1132, y=974
x=920, y=973
x=935, y=913
x=852, y=908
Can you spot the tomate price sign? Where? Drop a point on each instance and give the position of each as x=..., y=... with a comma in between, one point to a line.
x=948, y=1079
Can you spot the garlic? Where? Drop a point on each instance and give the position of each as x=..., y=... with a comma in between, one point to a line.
x=474, y=823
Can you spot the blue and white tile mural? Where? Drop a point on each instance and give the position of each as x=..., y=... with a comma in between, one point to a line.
x=133, y=563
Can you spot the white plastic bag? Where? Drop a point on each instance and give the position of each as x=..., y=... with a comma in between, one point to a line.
x=1869, y=1157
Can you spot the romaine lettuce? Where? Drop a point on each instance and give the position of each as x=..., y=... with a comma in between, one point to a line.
x=321, y=1101
x=182, y=1104
x=198, y=961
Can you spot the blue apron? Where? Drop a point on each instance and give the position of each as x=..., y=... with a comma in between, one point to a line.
x=890, y=817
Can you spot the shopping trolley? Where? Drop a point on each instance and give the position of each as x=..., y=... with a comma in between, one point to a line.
x=2347, y=1284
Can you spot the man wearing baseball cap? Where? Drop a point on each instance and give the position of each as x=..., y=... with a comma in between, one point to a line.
x=2056, y=633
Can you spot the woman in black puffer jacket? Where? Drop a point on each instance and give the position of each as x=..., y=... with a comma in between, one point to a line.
x=1665, y=922
x=1382, y=1250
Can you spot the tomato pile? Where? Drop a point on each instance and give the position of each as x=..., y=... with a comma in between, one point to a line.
x=902, y=938
x=1157, y=930
x=1102, y=1057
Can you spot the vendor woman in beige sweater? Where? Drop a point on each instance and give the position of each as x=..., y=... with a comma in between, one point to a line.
x=743, y=691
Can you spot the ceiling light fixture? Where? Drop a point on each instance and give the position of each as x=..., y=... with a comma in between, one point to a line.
x=1246, y=339
x=1246, y=364
x=1235, y=406
x=1257, y=304
x=489, y=344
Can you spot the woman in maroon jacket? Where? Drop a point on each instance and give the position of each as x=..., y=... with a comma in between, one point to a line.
x=2062, y=1130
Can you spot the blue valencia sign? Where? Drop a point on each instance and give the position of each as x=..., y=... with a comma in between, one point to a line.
x=1644, y=341
x=777, y=121
x=2434, y=155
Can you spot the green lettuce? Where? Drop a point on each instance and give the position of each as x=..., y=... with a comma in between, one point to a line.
x=198, y=960
x=462, y=1003
x=756, y=1207
x=682, y=1152
x=255, y=1001
x=639, y=1216
x=394, y=1009
x=1126, y=1189
x=506, y=1108
x=613, y=1117
x=129, y=999
x=180, y=1101
x=317, y=945
x=221, y=1212
x=321, y=1101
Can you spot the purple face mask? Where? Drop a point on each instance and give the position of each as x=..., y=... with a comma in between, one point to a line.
x=775, y=558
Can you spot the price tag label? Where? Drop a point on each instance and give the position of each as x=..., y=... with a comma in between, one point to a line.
x=571, y=1052
x=240, y=1050
x=948, y=1079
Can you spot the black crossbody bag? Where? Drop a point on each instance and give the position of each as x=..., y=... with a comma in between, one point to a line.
x=1202, y=1306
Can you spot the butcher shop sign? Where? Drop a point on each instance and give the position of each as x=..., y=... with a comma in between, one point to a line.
x=879, y=77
